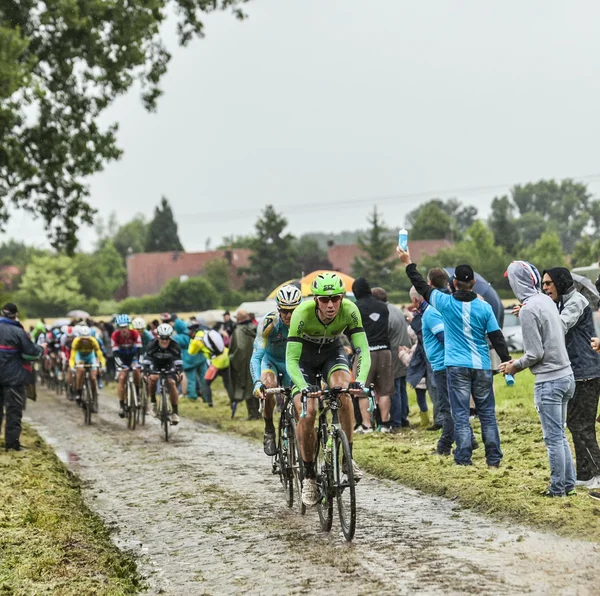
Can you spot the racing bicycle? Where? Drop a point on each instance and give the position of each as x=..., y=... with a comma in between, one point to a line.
x=333, y=460
x=89, y=403
x=132, y=399
x=287, y=462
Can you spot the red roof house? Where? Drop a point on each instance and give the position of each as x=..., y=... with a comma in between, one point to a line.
x=148, y=272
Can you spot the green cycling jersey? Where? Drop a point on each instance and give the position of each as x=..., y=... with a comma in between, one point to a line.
x=307, y=329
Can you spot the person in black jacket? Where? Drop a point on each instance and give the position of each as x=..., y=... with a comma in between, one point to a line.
x=578, y=323
x=375, y=318
x=15, y=372
x=164, y=354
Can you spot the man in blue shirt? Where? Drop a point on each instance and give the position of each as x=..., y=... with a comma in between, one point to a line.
x=468, y=322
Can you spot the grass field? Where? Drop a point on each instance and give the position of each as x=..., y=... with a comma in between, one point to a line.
x=511, y=492
x=50, y=542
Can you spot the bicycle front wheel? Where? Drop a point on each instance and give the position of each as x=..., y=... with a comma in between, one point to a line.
x=296, y=463
x=143, y=403
x=344, y=486
x=131, y=409
x=164, y=411
x=283, y=451
x=87, y=403
x=324, y=482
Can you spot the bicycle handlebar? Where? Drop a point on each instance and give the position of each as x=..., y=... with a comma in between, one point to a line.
x=334, y=391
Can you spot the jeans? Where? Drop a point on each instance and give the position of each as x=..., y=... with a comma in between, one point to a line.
x=551, y=399
x=581, y=421
x=444, y=445
x=399, y=403
x=462, y=383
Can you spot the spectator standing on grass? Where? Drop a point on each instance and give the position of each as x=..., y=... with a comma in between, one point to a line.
x=578, y=324
x=398, y=333
x=419, y=368
x=468, y=322
x=16, y=349
x=546, y=355
x=240, y=354
x=375, y=318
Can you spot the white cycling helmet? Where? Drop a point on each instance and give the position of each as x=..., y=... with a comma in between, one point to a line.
x=288, y=297
x=84, y=331
x=213, y=340
x=138, y=323
x=164, y=331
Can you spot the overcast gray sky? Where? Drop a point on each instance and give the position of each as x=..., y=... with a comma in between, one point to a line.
x=347, y=104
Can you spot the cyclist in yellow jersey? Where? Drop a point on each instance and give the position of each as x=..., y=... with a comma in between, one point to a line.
x=86, y=351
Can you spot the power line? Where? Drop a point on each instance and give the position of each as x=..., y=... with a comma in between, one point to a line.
x=328, y=206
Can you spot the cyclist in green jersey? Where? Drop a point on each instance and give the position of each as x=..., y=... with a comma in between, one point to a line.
x=314, y=347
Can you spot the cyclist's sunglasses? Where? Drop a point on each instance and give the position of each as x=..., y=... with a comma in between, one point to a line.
x=286, y=311
x=327, y=299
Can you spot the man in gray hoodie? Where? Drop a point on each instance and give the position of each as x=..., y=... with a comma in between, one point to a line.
x=546, y=356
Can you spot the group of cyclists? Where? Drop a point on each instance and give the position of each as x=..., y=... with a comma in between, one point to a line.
x=70, y=349
x=298, y=345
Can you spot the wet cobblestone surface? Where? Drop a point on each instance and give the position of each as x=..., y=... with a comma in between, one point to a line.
x=204, y=515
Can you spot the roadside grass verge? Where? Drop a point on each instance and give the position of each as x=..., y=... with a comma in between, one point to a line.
x=50, y=542
x=511, y=492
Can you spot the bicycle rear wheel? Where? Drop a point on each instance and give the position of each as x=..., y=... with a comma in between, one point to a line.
x=325, y=503
x=345, y=488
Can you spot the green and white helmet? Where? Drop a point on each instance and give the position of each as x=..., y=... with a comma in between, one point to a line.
x=328, y=284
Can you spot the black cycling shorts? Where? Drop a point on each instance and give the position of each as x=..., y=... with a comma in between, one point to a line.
x=324, y=361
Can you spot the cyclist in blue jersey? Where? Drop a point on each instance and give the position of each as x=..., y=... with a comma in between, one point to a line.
x=468, y=322
x=268, y=356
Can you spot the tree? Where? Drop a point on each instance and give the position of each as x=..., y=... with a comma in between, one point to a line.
x=547, y=252
x=14, y=252
x=101, y=273
x=63, y=64
x=131, y=237
x=273, y=259
x=503, y=224
x=310, y=257
x=431, y=223
x=195, y=293
x=567, y=204
x=377, y=262
x=427, y=221
x=587, y=252
x=162, y=233
x=530, y=227
x=50, y=286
